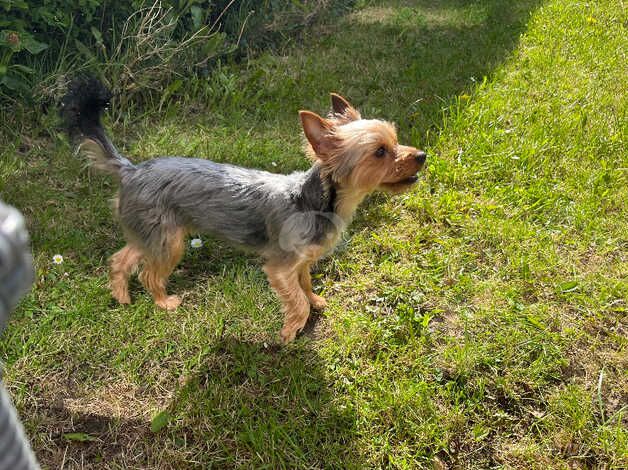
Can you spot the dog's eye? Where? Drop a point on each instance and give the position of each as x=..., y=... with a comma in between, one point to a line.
x=380, y=152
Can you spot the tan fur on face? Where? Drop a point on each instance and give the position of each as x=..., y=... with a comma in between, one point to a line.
x=349, y=162
x=346, y=146
x=354, y=162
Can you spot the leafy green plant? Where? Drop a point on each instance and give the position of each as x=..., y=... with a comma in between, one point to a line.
x=13, y=75
x=101, y=36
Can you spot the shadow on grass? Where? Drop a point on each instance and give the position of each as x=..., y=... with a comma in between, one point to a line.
x=266, y=406
x=247, y=405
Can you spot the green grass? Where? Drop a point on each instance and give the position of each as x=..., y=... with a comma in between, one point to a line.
x=478, y=321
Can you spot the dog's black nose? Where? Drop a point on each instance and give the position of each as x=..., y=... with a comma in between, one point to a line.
x=420, y=157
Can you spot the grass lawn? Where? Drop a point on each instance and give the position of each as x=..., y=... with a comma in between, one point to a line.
x=478, y=321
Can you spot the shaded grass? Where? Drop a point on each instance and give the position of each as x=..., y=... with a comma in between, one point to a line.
x=477, y=321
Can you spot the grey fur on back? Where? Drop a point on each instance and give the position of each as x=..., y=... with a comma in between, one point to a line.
x=244, y=206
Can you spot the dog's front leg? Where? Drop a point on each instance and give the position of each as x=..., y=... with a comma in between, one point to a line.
x=305, y=279
x=284, y=279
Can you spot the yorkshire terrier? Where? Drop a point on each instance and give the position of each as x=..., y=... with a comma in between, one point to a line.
x=290, y=220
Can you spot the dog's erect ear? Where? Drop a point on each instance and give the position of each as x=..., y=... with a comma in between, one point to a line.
x=343, y=109
x=339, y=104
x=317, y=131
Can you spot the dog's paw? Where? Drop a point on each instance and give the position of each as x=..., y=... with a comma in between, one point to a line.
x=120, y=293
x=123, y=298
x=169, y=303
x=287, y=335
x=317, y=302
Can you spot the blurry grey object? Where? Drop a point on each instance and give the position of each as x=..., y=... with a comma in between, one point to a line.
x=16, y=277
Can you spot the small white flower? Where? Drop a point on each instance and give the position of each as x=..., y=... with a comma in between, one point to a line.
x=57, y=259
x=196, y=243
x=273, y=163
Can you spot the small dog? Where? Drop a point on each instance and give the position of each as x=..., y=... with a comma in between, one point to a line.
x=290, y=220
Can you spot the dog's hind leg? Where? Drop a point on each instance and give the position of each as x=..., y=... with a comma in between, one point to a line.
x=159, y=266
x=123, y=264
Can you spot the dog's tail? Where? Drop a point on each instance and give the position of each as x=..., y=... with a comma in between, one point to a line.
x=81, y=109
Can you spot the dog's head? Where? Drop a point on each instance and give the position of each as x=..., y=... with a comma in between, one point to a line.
x=360, y=154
